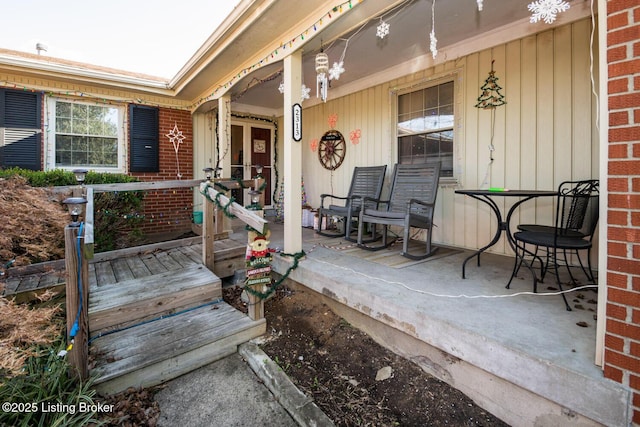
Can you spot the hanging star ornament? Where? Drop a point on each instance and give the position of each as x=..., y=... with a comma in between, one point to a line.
x=547, y=10
x=336, y=70
x=383, y=29
x=176, y=137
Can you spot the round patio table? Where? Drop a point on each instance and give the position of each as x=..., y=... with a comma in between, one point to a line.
x=486, y=196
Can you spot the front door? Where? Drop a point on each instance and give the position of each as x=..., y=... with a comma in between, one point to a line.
x=251, y=146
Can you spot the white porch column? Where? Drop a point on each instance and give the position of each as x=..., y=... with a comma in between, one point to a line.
x=224, y=141
x=292, y=156
x=224, y=134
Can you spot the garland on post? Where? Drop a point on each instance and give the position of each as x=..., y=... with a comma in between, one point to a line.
x=216, y=201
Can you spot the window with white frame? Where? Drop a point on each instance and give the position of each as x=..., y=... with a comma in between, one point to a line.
x=85, y=134
x=425, y=126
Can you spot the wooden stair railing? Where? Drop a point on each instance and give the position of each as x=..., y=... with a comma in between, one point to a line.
x=76, y=262
x=213, y=201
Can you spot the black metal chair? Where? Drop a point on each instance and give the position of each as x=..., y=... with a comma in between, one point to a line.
x=367, y=181
x=411, y=204
x=576, y=220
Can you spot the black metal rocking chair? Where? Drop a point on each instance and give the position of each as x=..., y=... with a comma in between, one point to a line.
x=411, y=204
x=367, y=181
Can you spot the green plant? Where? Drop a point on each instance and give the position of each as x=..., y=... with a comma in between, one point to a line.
x=45, y=394
x=116, y=219
x=282, y=364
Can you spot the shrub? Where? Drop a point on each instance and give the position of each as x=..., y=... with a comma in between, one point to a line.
x=116, y=218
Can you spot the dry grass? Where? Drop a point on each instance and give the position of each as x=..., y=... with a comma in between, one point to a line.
x=22, y=328
x=32, y=226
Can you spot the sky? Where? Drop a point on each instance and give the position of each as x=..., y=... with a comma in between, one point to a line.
x=143, y=36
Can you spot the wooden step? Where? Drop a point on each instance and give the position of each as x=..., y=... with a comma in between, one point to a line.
x=134, y=300
x=160, y=350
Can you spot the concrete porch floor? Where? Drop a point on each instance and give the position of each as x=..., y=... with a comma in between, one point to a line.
x=522, y=357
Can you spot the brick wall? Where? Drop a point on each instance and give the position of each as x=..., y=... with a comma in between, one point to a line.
x=622, y=339
x=170, y=210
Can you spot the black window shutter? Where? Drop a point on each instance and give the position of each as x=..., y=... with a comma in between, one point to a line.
x=144, y=145
x=20, y=129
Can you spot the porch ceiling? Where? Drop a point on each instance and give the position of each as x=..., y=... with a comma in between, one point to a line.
x=410, y=23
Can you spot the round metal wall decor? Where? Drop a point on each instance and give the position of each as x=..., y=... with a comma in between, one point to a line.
x=332, y=149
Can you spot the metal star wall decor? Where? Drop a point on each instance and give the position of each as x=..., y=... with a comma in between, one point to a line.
x=176, y=137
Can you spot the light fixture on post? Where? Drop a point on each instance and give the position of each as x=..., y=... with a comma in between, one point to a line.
x=81, y=175
x=207, y=173
x=75, y=206
x=322, y=80
x=255, y=200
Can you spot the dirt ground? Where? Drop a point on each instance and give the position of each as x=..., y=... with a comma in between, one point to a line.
x=336, y=365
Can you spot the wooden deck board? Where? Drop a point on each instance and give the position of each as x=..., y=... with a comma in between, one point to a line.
x=181, y=258
x=51, y=278
x=121, y=270
x=123, y=346
x=169, y=263
x=150, y=296
x=167, y=338
x=93, y=278
x=107, y=268
x=138, y=268
x=11, y=285
x=104, y=274
x=139, y=288
x=29, y=283
x=189, y=252
x=153, y=264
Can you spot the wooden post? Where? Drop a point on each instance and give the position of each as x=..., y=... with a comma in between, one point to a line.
x=255, y=305
x=209, y=220
x=77, y=297
x=220, y=232
x=258, y=182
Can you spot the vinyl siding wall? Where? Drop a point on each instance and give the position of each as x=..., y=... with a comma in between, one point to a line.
x=543, y=135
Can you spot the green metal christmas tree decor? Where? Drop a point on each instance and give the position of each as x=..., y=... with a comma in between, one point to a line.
x=491, y=96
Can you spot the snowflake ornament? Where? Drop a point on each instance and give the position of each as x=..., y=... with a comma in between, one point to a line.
x=547, y=10
x=479, y=5
x=305, y=93
x=383, y=29
x=336, y=70
x=281, y=87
